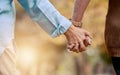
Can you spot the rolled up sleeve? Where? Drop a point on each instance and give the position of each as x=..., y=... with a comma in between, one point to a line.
x=45, y=14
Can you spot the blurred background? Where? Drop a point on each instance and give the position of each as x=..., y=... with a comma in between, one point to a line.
x=39, y=54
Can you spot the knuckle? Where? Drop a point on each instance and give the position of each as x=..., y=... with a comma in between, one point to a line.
x=69, y=47
x=80, y=41
x=82, y=48
x=77, y=44
x=75, y=48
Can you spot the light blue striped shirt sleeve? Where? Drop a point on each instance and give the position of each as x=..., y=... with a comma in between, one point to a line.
x=45, y=14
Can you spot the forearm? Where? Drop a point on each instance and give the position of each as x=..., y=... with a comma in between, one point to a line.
x=46, y=15
x=79, y=9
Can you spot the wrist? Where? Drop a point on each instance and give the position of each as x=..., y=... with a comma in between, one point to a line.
x=69, y=30
x=76, y=23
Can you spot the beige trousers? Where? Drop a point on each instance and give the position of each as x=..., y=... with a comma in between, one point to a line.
x=8, y=61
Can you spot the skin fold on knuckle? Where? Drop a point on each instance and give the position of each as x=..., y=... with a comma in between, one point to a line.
x=75, y=49
x=70, y=46
x=82, y=48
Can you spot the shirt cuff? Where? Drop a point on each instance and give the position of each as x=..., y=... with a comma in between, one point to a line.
x=61, y=29
x=60, y=23
x=45, y=14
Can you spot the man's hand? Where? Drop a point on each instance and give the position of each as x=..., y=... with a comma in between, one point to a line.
x=77, y=39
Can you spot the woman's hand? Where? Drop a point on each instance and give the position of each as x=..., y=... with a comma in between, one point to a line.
x=77, y=39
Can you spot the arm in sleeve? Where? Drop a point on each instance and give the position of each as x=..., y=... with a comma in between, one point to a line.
x=45, y=14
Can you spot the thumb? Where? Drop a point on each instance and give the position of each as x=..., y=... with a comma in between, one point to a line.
x=87, y=41
x=88, y=34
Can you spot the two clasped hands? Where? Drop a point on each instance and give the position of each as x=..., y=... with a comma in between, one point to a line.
x=78, y=38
